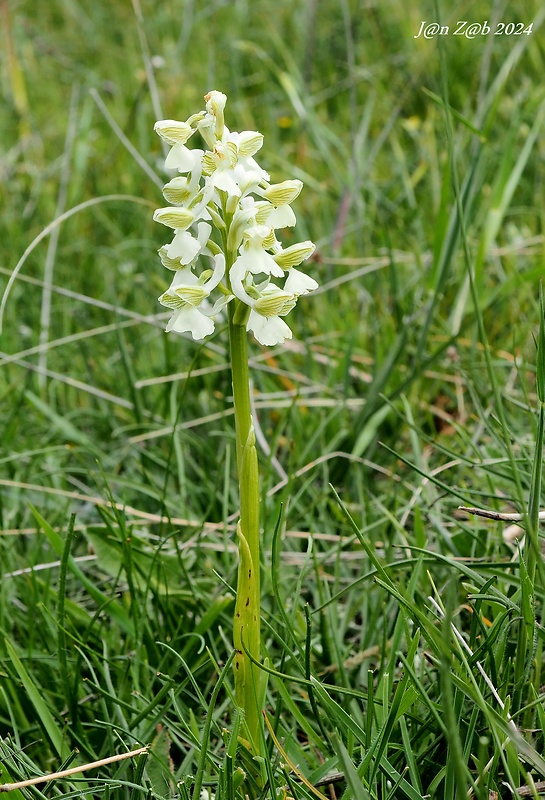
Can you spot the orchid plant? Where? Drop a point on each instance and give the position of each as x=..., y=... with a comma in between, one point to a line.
x=226, y=258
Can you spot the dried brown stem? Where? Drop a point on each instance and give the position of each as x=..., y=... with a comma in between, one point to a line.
x=53, y=776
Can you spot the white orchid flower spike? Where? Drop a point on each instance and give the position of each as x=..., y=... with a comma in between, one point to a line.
x=224, y=207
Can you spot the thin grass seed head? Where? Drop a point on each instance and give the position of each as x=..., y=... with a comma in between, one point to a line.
x=225, y=189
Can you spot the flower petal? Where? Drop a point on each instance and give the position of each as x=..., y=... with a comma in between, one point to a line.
x=281, y=217
x=218, y=306
x=217, y=275
x=298, y=283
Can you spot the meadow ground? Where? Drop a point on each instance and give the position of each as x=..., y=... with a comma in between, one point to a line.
x=404, y=638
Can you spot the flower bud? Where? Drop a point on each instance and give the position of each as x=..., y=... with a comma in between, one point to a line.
x=215, y=103
x=280, y=194
x=177, y=218
x=172, y=131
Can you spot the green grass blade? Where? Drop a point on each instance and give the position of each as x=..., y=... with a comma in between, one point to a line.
x=114, y=608
x=35, y=696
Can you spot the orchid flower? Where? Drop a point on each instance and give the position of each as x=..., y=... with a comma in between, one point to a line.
x=188, y=297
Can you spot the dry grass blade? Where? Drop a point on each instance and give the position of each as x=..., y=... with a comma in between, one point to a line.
x=65, y=773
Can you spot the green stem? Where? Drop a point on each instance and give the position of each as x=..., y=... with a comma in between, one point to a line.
x=246, y=628
x=241, y=382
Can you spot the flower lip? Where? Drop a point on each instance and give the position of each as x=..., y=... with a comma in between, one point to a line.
x=191, y=320
x=183, y=248
x=183, y=159
x=268, y=331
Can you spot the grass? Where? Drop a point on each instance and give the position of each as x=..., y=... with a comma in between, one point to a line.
x=404, y=640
